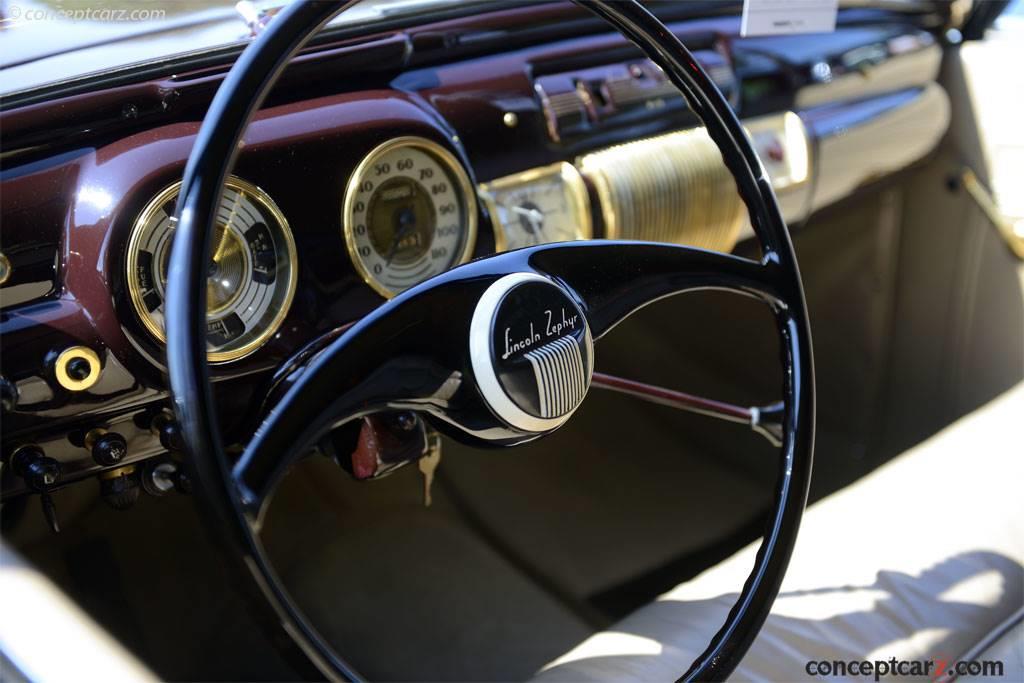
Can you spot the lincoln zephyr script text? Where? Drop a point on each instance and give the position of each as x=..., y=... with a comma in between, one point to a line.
x=551, y=329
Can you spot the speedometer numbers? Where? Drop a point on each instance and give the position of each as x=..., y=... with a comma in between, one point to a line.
x=409, y=214
x=548, y=204
x=250, y=280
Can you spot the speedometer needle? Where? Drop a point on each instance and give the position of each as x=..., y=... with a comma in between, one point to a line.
x=407, y=222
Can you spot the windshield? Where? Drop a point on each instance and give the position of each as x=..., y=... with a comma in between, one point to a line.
x=34, y=29
x=45, y=41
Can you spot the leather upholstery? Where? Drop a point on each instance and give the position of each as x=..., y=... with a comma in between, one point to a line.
x=1007, y=647
x=921, y=559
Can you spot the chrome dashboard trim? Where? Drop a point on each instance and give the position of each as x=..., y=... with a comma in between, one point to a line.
x=856, y=142
x=869, y=139
x=672, y=188
x=904, y=65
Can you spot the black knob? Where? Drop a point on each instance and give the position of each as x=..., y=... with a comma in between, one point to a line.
x=8, y=394
x=39, y=471
x=79, y=369
x=109, y=449
x=182, y=482
x=170, y=437
x=167, y=430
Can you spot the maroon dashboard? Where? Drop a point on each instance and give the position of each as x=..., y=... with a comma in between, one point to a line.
x=379, y=161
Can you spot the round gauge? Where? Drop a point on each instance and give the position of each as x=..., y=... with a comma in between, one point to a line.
x=538, y=206
x=409, y=214
x=251, y=277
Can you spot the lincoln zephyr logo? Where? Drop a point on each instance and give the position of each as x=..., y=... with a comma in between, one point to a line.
x=551, y=328
x=532, y=352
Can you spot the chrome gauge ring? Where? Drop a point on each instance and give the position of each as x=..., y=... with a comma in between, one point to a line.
x=409, y=214
x=251, y=277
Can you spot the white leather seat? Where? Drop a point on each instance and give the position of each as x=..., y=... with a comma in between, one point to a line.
x=921, y=560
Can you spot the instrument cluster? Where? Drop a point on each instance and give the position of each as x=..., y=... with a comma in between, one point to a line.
x=409, y=211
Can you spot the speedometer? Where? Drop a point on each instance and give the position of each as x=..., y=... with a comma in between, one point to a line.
x=409, y=214
x=251, y=277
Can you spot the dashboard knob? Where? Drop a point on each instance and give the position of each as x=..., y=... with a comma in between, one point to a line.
x=108, y=448
x=77, y=368
x=167, y=430
x=41, y=473
x=8, y=395
x=120, y=488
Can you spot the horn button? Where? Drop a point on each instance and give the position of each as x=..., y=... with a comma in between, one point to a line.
x=531, y=352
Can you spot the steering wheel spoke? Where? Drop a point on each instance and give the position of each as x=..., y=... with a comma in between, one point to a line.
x=394, y=359
x=499, y=351
x=614, y=279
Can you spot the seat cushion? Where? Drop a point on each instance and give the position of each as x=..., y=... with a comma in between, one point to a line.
x=1006, y=646
x=920, y=560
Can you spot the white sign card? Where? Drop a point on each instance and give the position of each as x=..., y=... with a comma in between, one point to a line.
x=780, y=17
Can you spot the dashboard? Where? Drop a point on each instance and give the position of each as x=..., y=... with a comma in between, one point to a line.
x=383, y=161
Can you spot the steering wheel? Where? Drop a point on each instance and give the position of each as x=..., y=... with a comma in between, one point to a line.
x=496, y=352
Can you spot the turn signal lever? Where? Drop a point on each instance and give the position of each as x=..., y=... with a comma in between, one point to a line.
x=41, y=474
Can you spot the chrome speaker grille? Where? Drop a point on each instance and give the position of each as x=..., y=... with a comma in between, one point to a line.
x=671, y=188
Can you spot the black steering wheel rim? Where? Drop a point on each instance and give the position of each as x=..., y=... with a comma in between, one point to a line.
x=214, y=153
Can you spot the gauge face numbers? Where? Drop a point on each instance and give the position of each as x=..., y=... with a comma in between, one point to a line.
x=409, y=214
x=539, y=206
x=250, y=280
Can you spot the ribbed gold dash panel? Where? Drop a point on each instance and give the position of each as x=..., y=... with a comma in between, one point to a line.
x=671, y=188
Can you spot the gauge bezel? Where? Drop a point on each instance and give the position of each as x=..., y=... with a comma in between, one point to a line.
x=444, y=158
x=571, y=179
x=264, y=202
